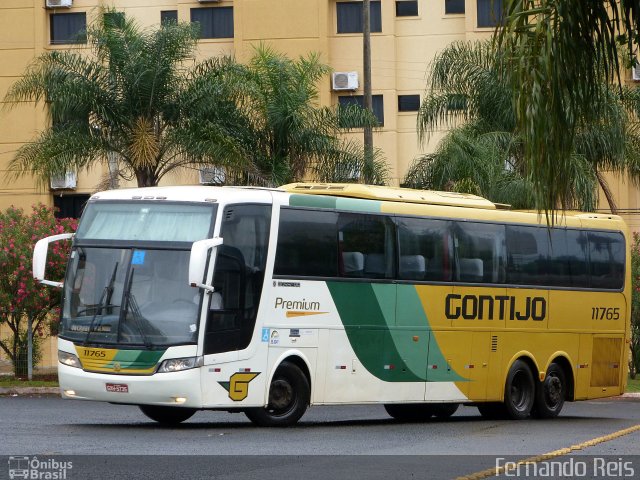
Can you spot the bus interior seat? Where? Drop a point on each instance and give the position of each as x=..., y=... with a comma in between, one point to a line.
x=375, y=265
x=353, y=264
x=412, y=267
x=471, y=270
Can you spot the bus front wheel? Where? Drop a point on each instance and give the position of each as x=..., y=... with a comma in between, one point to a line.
x=519, y=391
x=289, y=396
x=167, y=415
x=550, y=393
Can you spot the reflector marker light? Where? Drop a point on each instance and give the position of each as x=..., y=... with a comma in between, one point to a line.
x=433, y=367
x=341, y=367
x=389, y=367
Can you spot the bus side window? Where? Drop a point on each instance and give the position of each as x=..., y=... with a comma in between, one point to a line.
x=425, y=249
x=480, y=252
x=373, y=237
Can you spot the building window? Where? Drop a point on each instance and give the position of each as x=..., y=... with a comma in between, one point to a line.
x=168, y=16
x=215, y=22
x=452, y=7
x=377, y=104
x=68, y=28
x=489, y=13
x=349, y=16
x=69, y=206
x=406, y=8
x=408, y=103
x=114, y=19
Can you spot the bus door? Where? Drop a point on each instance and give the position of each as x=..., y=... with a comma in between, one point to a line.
x=233, y=306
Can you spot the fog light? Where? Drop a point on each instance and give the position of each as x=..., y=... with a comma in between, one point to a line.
x=180, y=399
x=70, y=393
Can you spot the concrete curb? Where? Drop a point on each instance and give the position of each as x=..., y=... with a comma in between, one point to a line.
x=18, y=391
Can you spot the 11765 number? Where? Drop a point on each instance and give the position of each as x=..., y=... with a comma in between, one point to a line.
x=603, y=313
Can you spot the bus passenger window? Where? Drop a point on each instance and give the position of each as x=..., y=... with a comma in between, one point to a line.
x=425, y=249
x=371, y=236
x=480, y=252
x=528, y=249
x=606, y=260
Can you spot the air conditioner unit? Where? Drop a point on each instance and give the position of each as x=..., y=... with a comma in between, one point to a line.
x=344, y=81
x=59, y=3
x=635, y=72
x=212, y=175
x=64, y=182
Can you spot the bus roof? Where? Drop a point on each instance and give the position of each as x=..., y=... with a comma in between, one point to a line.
x=391, y=194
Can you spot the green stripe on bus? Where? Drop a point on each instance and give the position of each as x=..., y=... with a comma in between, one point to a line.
x=335, y=203
x=137, y=359
x=368, y=331
x=367, y=312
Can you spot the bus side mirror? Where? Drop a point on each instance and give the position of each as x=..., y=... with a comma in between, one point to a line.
x=40, y=258
x=198, y=261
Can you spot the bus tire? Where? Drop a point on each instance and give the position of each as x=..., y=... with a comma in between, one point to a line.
x=409, y=412
x=167, y=415
x=289, y=395
x=550, y=393
x=444, y=410
x=519, y=391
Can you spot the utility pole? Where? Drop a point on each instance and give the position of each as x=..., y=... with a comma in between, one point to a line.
x=366, y=83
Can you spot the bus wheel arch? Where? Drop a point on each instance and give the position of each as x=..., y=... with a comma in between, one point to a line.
x=289, y=395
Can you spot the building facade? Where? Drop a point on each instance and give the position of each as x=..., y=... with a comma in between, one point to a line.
x=406, y=35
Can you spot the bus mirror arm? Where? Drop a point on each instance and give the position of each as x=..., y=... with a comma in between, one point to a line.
x=198, y=261
x=40, y=258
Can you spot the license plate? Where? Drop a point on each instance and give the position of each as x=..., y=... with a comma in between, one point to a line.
x=117, y=387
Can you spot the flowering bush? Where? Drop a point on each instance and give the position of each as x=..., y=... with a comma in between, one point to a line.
x=20, y=296
x=635, y=306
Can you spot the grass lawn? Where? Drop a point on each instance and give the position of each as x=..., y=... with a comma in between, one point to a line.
x=634, y=385
x=38, y=381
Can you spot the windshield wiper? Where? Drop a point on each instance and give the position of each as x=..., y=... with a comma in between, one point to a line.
x=130, y=301
x=105, y=300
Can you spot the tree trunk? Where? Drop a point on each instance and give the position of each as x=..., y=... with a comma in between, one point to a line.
x=146, y=177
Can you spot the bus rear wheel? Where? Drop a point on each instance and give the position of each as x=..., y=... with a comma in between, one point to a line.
x=409, y=412
x=519, y=391
x=289, y=396
x=550, y=393
x=167, y=415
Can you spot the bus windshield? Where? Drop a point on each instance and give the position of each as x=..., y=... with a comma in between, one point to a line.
x=129, y=296
x=127, y=280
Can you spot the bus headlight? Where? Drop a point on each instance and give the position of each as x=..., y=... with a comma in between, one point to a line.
x=178, y=364
x=69, y=359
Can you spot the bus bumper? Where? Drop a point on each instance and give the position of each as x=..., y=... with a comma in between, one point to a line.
x=178, y=389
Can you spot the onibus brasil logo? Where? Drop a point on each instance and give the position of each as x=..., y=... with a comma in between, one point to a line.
x=34, y=468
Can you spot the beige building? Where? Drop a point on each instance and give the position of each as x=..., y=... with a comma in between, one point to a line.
x=406, y=34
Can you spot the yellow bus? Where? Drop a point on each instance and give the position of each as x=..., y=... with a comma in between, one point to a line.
x=260, y=301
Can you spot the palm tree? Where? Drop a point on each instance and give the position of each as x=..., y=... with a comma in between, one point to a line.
x=132, y=99
x=559, y=53
x=484, y=152
x=286, y=134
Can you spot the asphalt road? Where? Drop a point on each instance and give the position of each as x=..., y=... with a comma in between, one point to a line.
x=329, y=442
